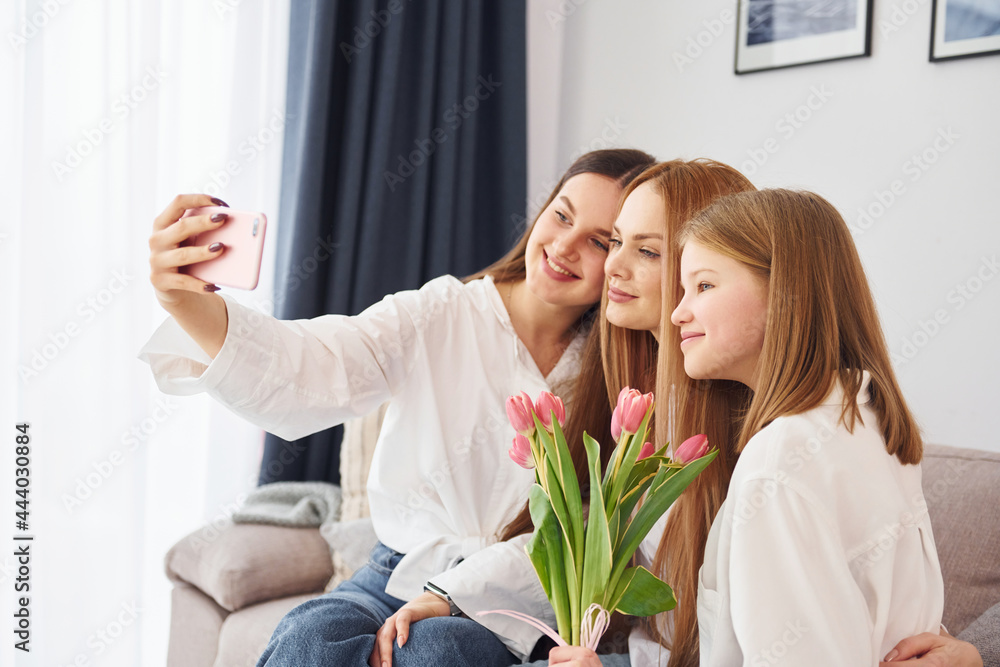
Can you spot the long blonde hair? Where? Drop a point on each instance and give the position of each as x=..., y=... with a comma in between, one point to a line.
x=687, y=188
x=822, y=327
x=615, y=357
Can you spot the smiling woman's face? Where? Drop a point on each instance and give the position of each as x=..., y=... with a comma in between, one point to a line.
x=564, y=259
x=634, y=266
x=722, y=316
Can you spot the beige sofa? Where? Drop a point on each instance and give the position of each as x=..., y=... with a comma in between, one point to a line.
x=232, y=585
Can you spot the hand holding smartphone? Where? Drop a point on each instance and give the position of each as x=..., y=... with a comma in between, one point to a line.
x=242, y=234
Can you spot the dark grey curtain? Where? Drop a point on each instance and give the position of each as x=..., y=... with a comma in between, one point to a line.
x=404, y=159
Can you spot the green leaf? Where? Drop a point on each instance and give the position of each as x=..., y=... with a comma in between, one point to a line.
x=541, y=511
x=550, y=548
x=641, y=593
x=597, y=562
x=538, y=554
x=561, y=464
x=568, y=554
x=623, y=512
x=613, y=463
x=663, y=491
x=639, y=480
x=564, y=494
x=634, y=446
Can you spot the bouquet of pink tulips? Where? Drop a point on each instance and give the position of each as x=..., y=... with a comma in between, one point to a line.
x=584, y=565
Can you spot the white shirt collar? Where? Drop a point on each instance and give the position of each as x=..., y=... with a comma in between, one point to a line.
x=836, y=395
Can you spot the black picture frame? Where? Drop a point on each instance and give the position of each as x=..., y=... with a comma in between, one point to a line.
x=775, y=34
x=960, y=30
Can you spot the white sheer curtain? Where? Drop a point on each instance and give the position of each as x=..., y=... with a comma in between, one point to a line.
x=110, y=108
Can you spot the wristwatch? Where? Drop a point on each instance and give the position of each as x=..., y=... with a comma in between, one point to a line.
x=436, y=590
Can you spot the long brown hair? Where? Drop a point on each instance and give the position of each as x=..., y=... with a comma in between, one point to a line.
x=623, y=165
x=619, y=164
x=615, y=357
x=822, y=327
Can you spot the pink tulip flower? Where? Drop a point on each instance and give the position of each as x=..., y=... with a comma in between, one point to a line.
x=616, y=426
x=693, y=448
x=546, y=404
x=630, y=411
x=520, y=412
x=646, y=451
x=520, y=452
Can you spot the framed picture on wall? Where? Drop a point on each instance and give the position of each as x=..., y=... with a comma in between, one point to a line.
x=964, y=28
x=771, y=34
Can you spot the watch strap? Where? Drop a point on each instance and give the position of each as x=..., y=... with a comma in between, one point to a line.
x=441, y=593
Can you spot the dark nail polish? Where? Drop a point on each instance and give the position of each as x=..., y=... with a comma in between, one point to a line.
x=215, y=247
x=218, y=217
x=219, y=202
x=212, y=288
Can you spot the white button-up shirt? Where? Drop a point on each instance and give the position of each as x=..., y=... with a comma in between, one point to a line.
x=446, y=356
x=822, y=553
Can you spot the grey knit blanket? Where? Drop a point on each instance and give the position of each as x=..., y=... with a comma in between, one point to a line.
x=302, y=504
x=984, y=634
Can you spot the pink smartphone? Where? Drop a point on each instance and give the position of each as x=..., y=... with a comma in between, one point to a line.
x=239, y=264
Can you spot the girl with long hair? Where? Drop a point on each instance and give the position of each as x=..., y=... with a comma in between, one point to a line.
x=813, y=545
x=823, y=548
x=443, y=356
x=823, y=552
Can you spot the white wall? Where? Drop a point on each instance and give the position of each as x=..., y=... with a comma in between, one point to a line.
x=938, y=235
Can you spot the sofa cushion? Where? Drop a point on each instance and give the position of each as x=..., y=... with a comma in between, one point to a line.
x=195, y=622
x=961, y=487
x=245, y=633
x=984, y=634
x=239, y=565
x=351, y=543
x=356, y=452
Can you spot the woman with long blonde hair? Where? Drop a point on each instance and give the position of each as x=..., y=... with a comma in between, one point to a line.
x=639, y=348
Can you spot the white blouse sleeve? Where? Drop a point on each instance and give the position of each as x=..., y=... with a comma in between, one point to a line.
x=792, y=594
x=293, y=378
x=500, y=577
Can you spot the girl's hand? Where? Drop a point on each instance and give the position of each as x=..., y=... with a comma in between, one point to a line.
x=573, y=656
x=933, y=650
x=426, y=605
x=166, y=253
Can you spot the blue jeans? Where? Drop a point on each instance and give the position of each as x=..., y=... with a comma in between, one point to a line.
x=338, y=629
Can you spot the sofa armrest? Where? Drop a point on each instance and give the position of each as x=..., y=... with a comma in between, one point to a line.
x=960, y=486
x=238, y=565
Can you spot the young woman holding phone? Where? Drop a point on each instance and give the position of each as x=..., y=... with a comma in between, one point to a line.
x=444, y=356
